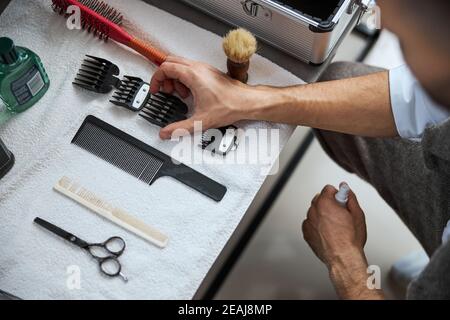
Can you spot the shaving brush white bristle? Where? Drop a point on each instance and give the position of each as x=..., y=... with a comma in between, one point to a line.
x=239, y=45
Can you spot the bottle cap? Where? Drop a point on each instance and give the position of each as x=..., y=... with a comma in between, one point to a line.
x=8, y=53
x=342, y=195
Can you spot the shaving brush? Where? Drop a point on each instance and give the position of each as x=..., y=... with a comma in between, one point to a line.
x=239, y=45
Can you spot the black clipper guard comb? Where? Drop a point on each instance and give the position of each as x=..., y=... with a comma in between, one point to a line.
x=159, y=109
x=98, y=75
x=132, y=93
x=163, y=109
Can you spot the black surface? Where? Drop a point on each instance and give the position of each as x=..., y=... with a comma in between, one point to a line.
x=3, y=5
x=6, y=160
x=111, y=148
x=323, y=10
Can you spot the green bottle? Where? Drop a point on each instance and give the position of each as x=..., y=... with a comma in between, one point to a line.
x=23, y=80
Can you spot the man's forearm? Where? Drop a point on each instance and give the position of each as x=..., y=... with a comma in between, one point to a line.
x=349, y=276
x=358, y=106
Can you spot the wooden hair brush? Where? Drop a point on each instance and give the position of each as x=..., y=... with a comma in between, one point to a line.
x=104, y=22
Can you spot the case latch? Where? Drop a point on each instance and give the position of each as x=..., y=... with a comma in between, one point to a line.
x=254, y=9
x=354, y=4
x=364, y=5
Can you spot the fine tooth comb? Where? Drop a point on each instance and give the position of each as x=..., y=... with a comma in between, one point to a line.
x=118, y=216
x=105, y=22
x=139, y=159
x=98, y=75
x=160, y=109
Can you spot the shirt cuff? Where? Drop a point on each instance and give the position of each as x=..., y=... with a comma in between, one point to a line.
x=413, y=109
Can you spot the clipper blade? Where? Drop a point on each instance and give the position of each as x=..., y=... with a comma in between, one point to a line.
x=220, y=141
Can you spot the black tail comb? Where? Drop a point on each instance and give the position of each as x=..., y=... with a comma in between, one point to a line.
x=98, y=75
x=139, y=159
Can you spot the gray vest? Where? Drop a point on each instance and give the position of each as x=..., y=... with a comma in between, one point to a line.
x=434, y=282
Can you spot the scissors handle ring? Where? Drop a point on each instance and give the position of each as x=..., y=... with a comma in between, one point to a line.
x=114, y=269
x=108, y=245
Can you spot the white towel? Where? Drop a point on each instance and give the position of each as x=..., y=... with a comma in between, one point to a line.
x=34, y=264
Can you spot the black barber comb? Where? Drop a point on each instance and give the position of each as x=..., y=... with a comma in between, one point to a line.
x=159, y=109
x=139, y=159
x=98, y=75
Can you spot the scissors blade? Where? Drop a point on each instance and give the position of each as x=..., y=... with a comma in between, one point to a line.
x=60, y=232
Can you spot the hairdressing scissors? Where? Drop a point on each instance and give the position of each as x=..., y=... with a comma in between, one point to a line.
x=106, y=253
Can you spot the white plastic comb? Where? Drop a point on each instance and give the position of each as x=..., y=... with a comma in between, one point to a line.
x=88, y=199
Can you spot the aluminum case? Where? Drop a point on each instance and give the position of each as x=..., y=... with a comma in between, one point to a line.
x=300, y=34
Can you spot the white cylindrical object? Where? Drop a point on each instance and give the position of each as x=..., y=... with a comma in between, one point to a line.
x=342, y=195
x=446, y=234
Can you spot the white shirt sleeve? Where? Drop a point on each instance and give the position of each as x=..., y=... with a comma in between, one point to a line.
x=446, y=234
x=413, y=108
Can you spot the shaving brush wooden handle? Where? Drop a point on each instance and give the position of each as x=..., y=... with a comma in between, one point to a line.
x=239, y=46
x=238, y=71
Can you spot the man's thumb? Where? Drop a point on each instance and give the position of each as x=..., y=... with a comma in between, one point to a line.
x=353, y=205
x=177, y=129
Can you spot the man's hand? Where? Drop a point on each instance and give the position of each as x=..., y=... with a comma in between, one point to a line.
x=359, y=106
x=337, y=235
x=218, y=99
x=333, y=231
